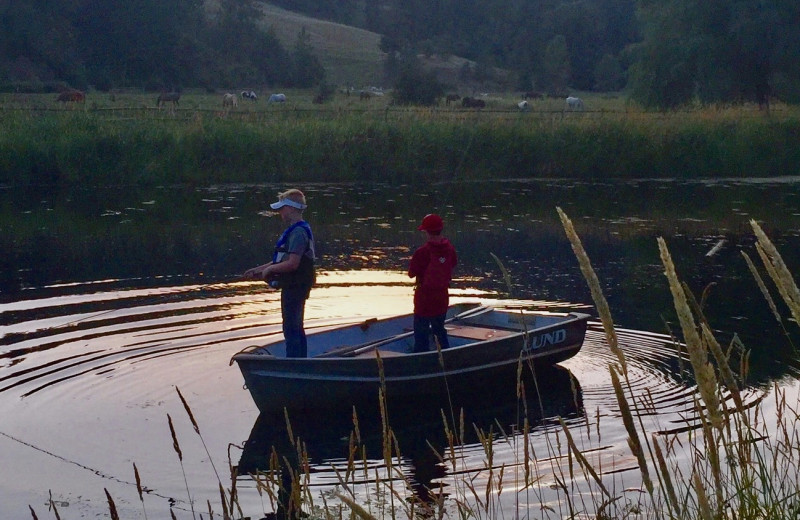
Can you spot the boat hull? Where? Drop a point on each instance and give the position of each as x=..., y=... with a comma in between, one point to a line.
x=493, y=363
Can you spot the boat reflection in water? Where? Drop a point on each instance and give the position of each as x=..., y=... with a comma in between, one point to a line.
x=416, y=450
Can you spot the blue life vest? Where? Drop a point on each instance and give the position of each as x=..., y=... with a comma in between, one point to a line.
x=304, y=275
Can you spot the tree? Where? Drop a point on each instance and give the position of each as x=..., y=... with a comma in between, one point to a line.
x=307, y=71
x=416, y=86
x=716, y=51
x=608, y=74
x=556, y=67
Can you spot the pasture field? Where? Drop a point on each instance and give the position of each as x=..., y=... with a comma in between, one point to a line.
x=349, y=55
x=123, y=137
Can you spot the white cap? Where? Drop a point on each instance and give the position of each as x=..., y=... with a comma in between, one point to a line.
x=287, y=202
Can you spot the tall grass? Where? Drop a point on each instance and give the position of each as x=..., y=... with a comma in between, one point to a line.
x=391, y=145
x=732, y=461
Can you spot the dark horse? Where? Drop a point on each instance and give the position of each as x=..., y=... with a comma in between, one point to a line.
x=71, y=95
x=167, y=97
x=469, y=102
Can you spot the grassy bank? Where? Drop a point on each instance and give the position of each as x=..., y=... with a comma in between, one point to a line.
x=102, y=145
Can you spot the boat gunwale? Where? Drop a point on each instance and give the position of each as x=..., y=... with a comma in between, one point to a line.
x=260, y=353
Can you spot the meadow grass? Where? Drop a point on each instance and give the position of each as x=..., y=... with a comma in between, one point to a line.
x=123, y=139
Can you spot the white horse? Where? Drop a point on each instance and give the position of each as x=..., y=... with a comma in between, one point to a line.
x=277, y=98
x=574, y=103
x=230, y=101
x=523, y=106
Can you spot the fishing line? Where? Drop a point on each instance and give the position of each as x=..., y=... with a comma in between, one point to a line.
x=97, y=472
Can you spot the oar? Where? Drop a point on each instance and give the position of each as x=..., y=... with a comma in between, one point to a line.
x=354, y=350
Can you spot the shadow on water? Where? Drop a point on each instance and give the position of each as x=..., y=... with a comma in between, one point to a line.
x=423, y=438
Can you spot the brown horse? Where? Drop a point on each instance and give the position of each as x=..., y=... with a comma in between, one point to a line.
x=532, y=94
x=168, y=97
x=75, y=96
x=450, y=98
x=469, y=102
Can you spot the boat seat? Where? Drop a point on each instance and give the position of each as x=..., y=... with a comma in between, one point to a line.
x=477, y=333
x=384, y=354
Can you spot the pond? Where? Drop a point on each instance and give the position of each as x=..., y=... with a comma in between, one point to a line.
x=112, y=298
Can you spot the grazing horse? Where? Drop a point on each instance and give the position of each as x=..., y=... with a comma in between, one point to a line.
x=450, y=98
x=277, y=98
x=364, y=95
x=523, y=105
x=469, y=102
x=574, y=103
x=75, y=96
x=230, y=101
x=168, y=97
x=249, y=94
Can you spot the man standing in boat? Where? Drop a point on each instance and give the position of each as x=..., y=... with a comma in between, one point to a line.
x=291, y=269
x=432, y=265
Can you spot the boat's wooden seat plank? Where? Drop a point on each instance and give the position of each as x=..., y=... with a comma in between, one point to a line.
x=384, y=354
x=477, y=333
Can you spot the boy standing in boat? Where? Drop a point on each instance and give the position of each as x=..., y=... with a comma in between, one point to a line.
x=291, y=269
x=432, y=265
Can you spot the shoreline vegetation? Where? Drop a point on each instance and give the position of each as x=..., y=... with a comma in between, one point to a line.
x=125, y=140
x=729, y=461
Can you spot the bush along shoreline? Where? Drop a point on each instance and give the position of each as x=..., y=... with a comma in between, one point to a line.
x=71, y=147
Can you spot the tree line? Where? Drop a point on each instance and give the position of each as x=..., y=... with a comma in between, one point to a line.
x=665, y=52
x=151, y=44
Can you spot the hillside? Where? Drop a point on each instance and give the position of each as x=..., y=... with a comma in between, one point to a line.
x=350, y=55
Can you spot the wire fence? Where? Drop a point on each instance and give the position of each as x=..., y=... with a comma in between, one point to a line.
x=389, y=113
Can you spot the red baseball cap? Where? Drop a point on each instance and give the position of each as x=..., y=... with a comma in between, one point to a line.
x=431, y=222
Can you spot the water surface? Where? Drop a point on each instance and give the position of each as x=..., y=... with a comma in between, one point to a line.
x=111, y=299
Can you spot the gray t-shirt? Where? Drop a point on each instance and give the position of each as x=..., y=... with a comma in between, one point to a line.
x=299, y=243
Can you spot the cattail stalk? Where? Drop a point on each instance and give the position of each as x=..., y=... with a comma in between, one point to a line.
x=359, y=511
x=594, y=286
x=763, y=287
x=581, y=459
x=666, y=479
x=177, y=447
x=702, y=498
x=197, y=430
x=703, y=371
x=139, y=489
x=780, y=273
x=112, y=507
x=634, y=443
x=53, y=505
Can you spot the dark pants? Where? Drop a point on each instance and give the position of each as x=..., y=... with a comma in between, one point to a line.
x=422, y=329
x=293, y=306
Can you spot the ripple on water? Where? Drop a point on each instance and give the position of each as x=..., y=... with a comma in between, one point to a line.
x=88, y=376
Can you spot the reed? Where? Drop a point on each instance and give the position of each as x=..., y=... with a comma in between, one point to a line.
x=732, y=462
x=177, y=447
x=393, y=145
x=139, y=489
x=778, y=270
x=706, y=377
x=112, y=506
